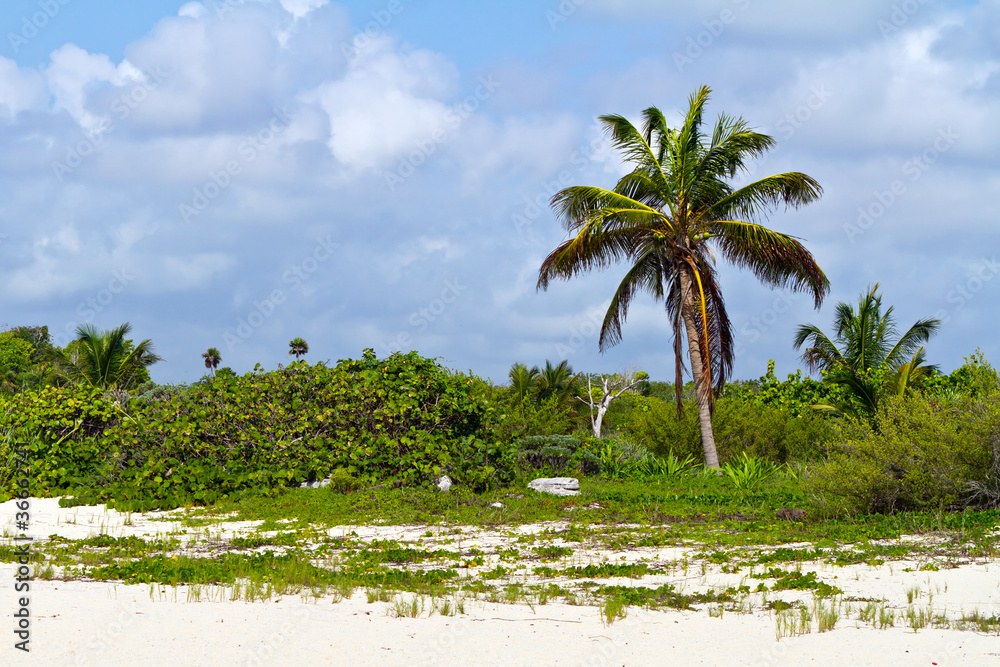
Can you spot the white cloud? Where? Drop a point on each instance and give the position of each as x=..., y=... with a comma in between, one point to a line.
x=20, y=90
x=300, y=8
x=387, y=104
x=75, y=72
x=194, y=10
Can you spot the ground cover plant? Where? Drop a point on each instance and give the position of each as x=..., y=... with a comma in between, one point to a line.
x=619, y=546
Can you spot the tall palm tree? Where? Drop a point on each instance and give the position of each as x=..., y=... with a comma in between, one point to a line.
x=298, y=347
x=862, y=356
x=105, y=359
x=212, y=359
x=667, y=216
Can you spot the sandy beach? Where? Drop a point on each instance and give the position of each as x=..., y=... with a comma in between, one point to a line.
x=81, y=622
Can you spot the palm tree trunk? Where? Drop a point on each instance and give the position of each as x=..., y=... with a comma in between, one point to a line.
x=702, y=386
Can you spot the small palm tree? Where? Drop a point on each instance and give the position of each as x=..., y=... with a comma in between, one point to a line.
x=523, y=379
x=863, y=357
x=105, y=359
x=298, y=347
x=668, y=219
x=212, y=359
x=557, y=381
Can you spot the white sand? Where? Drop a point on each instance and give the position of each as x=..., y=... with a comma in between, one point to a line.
x=101, y=623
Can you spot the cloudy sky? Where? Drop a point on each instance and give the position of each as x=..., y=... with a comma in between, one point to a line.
x=377, y=173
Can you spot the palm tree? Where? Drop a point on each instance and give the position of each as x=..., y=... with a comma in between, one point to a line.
x=667, y=216
x=523, y=379
x=298, y=347
x=557, y=381
x=105, y=359
x=862, y=356
x=212, y=359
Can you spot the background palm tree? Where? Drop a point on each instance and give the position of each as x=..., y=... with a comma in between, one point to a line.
x=105, y=359
x=862, y=356
x=298, y=347
x=212, y=359
x=557, y=382
x=523, y=379
x=665, y=218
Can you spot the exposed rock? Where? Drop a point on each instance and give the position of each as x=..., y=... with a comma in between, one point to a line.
x=791, y=515
x=558, y=486
x=317, y=484
x=444, y=483
x=497, y=505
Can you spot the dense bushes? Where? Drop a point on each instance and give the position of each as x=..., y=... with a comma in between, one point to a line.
x=757, y=429
x=403, y=419
x=556, y=454
x=61, y=428
x=914, y=454
x=407, y=420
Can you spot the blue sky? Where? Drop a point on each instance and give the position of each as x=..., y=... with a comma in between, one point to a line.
x=376, y=174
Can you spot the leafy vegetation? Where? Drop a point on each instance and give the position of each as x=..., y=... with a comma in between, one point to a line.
x=863, y=358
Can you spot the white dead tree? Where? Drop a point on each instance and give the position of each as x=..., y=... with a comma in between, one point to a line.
x=612, y=387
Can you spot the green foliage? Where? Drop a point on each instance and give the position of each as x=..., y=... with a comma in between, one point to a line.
x=105, y=359
x=776, y=431
x=342, y=481
x=797, y=394
x=748, y=473
x=403, y=419
x=914, y=454
x=974, y=379
x=557, y=454
x=770, y=431
x=61, y=427
x=521, y=418
x=862, y=356
x=15, y=353
x=654, y=423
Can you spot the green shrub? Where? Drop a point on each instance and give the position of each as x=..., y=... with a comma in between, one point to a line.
x=342, y=481
x=741, y=426
x=748, y=473
x=773, y=432
x=915, y=454
x=557, y=454
x=654, y=423
x=403, y=419
x=61, y=429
